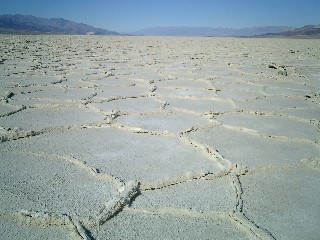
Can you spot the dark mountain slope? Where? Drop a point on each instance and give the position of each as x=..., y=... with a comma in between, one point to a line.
x=304, y=31
x=54, y=25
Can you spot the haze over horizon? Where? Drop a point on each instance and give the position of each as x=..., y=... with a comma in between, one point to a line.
x=130, y=15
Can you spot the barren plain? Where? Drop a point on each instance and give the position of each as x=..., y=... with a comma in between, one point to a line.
x=159, y=138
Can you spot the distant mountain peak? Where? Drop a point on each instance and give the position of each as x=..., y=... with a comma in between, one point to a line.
x=308, y=30
x=45, y=25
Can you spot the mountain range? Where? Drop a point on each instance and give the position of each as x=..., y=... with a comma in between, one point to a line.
x=27, y=24
x=209, y=31
x=30, y=24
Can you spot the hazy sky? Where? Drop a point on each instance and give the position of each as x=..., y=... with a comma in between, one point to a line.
x=132, y=15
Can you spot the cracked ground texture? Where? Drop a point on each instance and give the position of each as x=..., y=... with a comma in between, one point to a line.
x=159, y=138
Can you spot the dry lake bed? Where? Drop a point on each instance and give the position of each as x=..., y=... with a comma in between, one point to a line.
x=159, y=138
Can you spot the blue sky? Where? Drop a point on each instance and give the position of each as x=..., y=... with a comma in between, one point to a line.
x=132, y=15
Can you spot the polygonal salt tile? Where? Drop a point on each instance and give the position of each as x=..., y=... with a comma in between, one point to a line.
x=271, y=104
x=186, y=92
x=13, y=201
x=50, y=93
x=43, y=183
x=114, y=81
x=286, y=202
x=238, y=87
x=286, y=91
x=131, y=225
x=183, y=84
x=128, y=105
x=250, y=150
x=38, y=79
x=285, y=85
x=202, y=195
x=14, y=228
x=63, y=93
x=6, y=108
x=38, y=119
x=75, y=77
x=239, y=95
x=8, y=82
x=44, y=102
x=76, y=83
x=142, y=76
x=164, y=121
x=304, y=113
x=272, y=125
x=115, y=91
x=198, y=105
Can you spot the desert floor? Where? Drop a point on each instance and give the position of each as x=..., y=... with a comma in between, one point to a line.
x=159, y=138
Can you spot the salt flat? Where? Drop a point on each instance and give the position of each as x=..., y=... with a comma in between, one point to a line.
x=159, y=138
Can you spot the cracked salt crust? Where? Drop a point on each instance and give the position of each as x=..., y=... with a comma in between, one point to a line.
x=154, y=137
x=123, y=153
